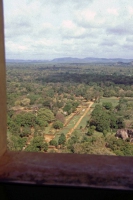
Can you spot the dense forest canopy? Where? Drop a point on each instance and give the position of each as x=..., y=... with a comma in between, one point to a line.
x=48, y=107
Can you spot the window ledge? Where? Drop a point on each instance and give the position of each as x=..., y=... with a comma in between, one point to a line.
x=94, y=171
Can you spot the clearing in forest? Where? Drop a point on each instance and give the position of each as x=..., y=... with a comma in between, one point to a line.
x=80, y=119
x=76, y=120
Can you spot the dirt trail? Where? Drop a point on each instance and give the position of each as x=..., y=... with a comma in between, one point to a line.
x=71, y=116
x=49, y=137
x=78, y=122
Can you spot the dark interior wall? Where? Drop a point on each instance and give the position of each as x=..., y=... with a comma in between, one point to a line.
x=3, y=113
x=27, y=192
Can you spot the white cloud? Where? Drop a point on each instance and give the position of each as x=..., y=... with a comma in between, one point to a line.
x=130, y=10
x=47, y=29
x=87, y=15
x=70, y=30
x=113, y=11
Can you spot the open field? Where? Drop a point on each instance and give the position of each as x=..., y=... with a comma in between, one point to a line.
x=113, y=100
x=77, y=119
x=85, y=119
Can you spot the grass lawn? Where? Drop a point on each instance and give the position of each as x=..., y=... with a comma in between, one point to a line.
x=100, y=134
x=73, y=121
x=84, y=120
x=113, y=100
x=47, y=130
x=129, y=98
x=78, y=133
x=56, y=138
x=63, y=130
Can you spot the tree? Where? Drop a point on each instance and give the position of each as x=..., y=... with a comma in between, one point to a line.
x=33, y=98
x=120, y=123
x=25, y=119
x=12, y=126
x=16, y=143
x=91, y=130
x=62, y=139
x=113, y=121
x=103, y=123
x=73, y=140
x=100, y=118
x=50, y=93
x=119, y=146
x=68, y=108
x=41, y=122
x=60, y=104
x=25, y=102
x=37, y=144
x=57, y=125
x=105, y=133
x=107, y=105
x=45, y=115
x=53, y=142
x=25, y=132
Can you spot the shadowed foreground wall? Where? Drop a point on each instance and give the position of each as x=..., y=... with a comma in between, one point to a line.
x=2, y=86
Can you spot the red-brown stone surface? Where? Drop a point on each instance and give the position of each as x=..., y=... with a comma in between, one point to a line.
x=67, y=170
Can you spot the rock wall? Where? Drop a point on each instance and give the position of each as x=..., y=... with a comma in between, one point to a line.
x=124, y=134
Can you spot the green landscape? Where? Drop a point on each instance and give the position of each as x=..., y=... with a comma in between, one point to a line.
x=70, y=107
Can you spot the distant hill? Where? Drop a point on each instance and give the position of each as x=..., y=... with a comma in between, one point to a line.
x=25, y=61
x=66, y=60
x=91, y=60
x=76, y=60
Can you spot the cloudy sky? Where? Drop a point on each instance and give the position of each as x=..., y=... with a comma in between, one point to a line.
x=47, y=29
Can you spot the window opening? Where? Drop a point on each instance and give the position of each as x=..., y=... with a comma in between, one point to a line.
x=60, y=96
